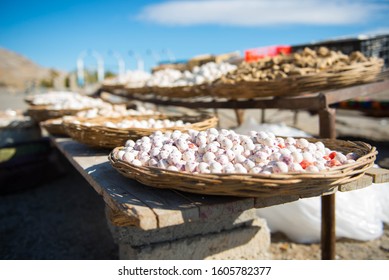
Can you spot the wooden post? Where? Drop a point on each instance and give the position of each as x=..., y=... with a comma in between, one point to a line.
x=295, y=117
x=239, y=113
x=215, y=112
x=263, y=117
x=327, y=123
x=328, y=221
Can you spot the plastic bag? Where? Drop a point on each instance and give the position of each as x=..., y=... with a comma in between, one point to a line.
x=359, y=214
x=382, y=192
x=279, y=129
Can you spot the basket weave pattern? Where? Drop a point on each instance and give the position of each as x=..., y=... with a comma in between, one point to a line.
x=54, y=126
x=141, y=90
x=355, y=74
x=182, y=92
x=256, y=185
x=42, y=113
x=100, y=135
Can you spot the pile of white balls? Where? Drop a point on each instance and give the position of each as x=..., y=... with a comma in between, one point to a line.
x=52, y=97
x=205, y=73
x=150, y=123
x=60, y=100
x=224, y=151
x=131, y=79
x=132, y=123
x=116, y=111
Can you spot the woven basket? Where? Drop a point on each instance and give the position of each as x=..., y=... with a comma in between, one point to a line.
x=42, y=113
x=99, y=135
x=357, y=73
x=256, y=185
x=140, y=90
x=182, y=92
x=54, y=126
x=109, y=86
x=126, y=90
x=29, y=100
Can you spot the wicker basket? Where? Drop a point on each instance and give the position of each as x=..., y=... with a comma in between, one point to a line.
x=358, y=73
x=256, y=185
x=140, y=90
x=183, y=91
x=29, y=100
x=42, y=113
x=126, y=90
x=54, y=126
x=111, y=86
x=99, y=135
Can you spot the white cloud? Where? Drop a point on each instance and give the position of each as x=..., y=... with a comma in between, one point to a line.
x=261, y=12
x=377, y=31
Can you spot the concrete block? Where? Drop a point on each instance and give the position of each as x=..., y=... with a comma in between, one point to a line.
x=135, y=236
x=247, y=241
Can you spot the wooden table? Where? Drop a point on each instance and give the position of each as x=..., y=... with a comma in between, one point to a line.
x=318, y=102
x=132, y=204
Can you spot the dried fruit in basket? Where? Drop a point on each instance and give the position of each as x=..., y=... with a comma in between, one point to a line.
x=297, y=64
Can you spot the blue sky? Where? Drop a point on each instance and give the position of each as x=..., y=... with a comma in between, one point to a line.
x=54, y=33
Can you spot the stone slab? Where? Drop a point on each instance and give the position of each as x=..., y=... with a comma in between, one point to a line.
x=135, y=236
x=246, y=242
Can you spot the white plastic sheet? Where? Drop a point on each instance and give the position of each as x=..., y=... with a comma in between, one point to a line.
x=360, y=214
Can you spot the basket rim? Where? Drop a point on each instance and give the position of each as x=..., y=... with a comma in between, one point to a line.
x=273, y=175
x=53, y=121
x=292, y=182
x=54, y=126
x=41, y=108
x=202, y=117
x=322, y=74
x=108, y=137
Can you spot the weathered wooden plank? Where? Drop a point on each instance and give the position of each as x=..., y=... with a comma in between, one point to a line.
x=379, y=175
x=168, y=208
x=150, y=208
x=213, y=207
x=93, y=170
x=363, y=182
x=338, y=95
x=267, y=202
x=118, y=218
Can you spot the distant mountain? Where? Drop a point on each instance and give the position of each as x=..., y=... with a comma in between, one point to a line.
x=19, y=72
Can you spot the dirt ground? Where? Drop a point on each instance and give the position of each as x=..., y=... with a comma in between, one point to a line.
x=283, y=249
x=63, y=218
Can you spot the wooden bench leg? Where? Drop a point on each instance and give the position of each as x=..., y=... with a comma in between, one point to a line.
x=328, y=234
x=239, y=113
x=328, y=222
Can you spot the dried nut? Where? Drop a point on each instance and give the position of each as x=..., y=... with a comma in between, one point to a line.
x=302, y=63
x=225, y=151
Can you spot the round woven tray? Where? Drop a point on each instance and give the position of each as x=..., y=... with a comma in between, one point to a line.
x=256, y=185
x=42, y=113
x=139, y=90
x=100, y=135
x=182, y=92
x=111, y=86
x=29, y=100
x=357, y=73
x=54, y=126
